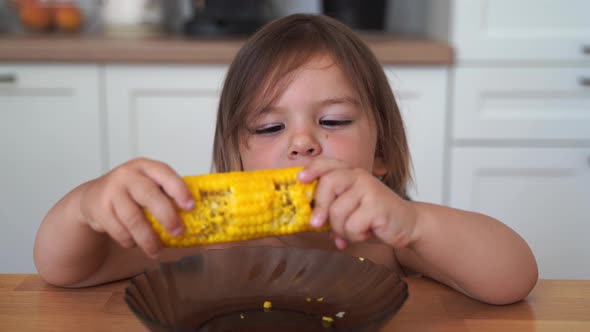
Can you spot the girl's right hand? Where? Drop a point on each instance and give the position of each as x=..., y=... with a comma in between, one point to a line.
x=114, y=203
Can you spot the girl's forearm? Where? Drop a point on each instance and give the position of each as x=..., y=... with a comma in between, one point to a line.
x=471, y=252
x=66, y=249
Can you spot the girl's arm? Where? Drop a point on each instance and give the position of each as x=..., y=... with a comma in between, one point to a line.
x=470, y=252
x=98, y=232
x=69, y=253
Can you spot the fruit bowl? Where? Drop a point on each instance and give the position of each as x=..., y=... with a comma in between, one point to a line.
x=266, y=289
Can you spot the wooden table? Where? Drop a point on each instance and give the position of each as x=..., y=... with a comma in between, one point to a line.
x=28, y=304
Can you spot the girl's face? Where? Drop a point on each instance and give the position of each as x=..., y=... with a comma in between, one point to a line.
x=318, y=115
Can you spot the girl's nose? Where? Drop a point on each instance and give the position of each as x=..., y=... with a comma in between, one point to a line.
x=304, y=146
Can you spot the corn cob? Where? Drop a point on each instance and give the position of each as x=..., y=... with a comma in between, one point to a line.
x=239, y=206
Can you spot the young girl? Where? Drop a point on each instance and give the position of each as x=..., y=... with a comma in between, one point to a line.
x=303, y=91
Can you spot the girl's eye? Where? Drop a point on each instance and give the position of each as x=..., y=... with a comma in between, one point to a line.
x=335, y=123
x=269, y=129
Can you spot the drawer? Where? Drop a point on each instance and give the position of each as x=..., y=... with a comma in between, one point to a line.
x=521, y=103
x=523, y=30
x=45, y=77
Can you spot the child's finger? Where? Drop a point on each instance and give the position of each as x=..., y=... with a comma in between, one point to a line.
x=112, y=225
x=357, y=227
x=171, y=183
x=148, y=195
x=319, y=217
x=119, y=234
x=329, y=187
x=319, y=167
x=133, y=219
x=340, y=242
x=342, y=207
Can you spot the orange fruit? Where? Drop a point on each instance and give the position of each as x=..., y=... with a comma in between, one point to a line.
x=34, y=16
x=67, y=18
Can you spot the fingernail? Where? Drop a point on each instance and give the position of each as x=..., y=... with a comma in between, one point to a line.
x=317, y=219
x=189, y=205
x=177, y=231
x=340, y=243
x=302, y=175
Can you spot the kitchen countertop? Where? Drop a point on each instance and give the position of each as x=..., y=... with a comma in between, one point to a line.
x=389, y=49
x=29, y=304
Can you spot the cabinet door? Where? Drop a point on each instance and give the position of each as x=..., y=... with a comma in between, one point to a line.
x=522, y=103
x=421, y=96
x=163, y=113
x=50, y=142
x=521, y=30
x=542, y=193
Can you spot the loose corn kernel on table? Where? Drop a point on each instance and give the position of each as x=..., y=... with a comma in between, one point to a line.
x=29, y=304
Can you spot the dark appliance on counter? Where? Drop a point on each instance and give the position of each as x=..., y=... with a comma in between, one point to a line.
x=223, y=18
x=358, y=15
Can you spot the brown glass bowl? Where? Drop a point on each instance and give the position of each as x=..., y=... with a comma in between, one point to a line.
x=225, y=290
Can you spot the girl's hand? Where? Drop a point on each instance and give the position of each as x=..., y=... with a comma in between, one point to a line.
x=114, y=203
x=358, y=205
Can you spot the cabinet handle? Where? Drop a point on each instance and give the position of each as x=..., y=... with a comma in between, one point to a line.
x=584, y=81
x=586, y=49
x=7, y=78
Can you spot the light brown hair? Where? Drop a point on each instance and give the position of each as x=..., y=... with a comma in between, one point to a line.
x=262, y=70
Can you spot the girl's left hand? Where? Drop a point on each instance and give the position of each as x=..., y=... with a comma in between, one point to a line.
x=358, y=205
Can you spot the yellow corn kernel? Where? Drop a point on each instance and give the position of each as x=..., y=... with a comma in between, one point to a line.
x=327, y=321
x=239, y=206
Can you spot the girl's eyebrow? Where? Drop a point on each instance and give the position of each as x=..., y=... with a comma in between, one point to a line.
x=322, y=103
x=339, y=100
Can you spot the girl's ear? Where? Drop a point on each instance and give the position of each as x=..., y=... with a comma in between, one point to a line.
x=379, y=169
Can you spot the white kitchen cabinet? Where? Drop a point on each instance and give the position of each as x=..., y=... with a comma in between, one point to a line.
x=50, y=142
x=421, y=94
x=542, y=193
x=506, y=30
x=521, y=103
x=166, y=113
